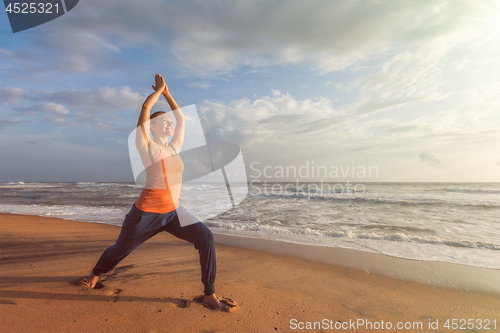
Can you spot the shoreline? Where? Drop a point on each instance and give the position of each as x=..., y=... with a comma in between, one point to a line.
x=434, y=273
x=152, y=289
x=451, y=224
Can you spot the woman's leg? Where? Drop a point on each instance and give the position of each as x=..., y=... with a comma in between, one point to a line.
x=137, y=228
x=203, y=240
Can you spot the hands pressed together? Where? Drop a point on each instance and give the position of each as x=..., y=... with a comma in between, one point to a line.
x=160, y=85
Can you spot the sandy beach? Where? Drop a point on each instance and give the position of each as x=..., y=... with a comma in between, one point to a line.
x=152, y=289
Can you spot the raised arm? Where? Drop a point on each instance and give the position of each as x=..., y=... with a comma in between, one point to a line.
x=142, y=138
x=180, y=127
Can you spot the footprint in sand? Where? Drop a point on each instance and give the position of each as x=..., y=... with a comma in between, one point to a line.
x=183, y=304
x=99, y=286
x=231, y=305
x=113, y=293
x=178, y=302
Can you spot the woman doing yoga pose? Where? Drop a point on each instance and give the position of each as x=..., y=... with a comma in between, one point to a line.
x=157, y=208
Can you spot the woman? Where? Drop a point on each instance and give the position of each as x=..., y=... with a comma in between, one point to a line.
x=157, y=208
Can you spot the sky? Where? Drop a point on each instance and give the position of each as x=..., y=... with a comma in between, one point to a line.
x=408, y=88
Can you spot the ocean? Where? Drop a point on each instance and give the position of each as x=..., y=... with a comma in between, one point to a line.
x=448, y=222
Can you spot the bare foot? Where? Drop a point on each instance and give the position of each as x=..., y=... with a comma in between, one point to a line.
x=92, y=280
x=213, y=302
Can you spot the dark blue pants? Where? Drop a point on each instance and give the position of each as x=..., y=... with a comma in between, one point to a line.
x=139, y=226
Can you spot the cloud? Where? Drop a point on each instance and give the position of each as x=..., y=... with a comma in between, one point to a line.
x=54, y=108
x=329, y=35
x=51, y=112
x=274, y=119
x=211, y=38
x=103, y=100
x=5, y=52
x=200, y=85
x=280, y=128
x=54, y=113
x=413, y=74
x=8, y=121
x=474, y=121
x=92, y=107
x=11, y=95
x=100, y=107
x=431, y=160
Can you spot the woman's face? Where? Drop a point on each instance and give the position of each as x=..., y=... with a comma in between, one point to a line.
x=162, y=126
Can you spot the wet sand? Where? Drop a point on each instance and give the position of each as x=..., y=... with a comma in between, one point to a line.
x=152, y=290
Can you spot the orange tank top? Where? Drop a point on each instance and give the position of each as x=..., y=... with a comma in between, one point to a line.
x=163, y=184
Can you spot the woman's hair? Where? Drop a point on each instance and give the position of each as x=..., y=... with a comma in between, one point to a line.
x=156, y=114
